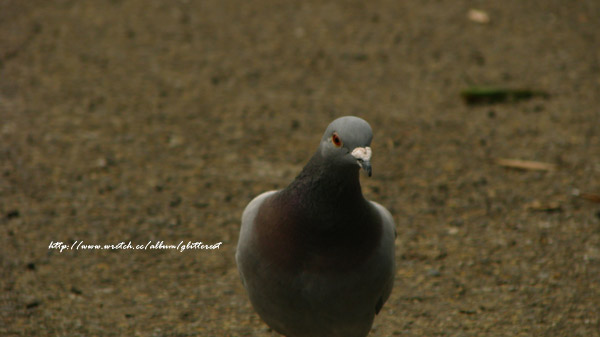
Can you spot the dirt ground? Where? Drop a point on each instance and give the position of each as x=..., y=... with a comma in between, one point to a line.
x=160, y=120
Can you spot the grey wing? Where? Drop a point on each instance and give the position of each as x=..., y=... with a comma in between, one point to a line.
x=387, y=250
x=244, y=248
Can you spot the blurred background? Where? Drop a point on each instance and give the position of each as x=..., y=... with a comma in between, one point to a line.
x=131, y=120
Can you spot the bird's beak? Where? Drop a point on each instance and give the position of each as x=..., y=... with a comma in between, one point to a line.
x=363, y=158
x=366, y=165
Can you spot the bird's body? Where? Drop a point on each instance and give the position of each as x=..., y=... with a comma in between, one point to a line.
x=317, y=258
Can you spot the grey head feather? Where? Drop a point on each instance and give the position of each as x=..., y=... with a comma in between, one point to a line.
x=354, y=132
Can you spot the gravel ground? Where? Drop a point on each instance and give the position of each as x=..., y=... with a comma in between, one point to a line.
x=150, y=121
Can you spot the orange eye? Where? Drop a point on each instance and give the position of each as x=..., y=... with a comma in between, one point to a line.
x=336, y=140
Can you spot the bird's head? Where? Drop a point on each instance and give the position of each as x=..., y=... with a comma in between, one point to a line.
x=347, y=141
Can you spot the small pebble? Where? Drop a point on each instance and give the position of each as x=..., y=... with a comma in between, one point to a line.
x=433, y=272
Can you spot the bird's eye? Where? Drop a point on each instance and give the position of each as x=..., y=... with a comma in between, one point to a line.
x=336, y=140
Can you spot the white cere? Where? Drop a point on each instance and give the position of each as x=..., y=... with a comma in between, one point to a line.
x=362, y=153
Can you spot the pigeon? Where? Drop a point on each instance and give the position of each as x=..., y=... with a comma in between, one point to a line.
x=316, y=258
